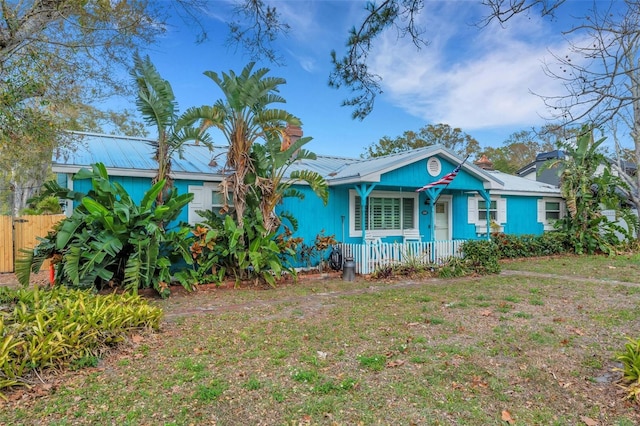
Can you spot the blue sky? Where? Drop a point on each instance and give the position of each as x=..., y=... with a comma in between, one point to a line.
x=480, y=80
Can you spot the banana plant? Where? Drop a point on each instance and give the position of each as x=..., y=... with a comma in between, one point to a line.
x=588, y=187
x=273, y=181
x=109, y=240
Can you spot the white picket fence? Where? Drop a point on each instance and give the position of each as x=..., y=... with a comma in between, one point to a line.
x=370, y=256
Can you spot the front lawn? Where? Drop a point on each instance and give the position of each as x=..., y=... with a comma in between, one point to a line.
x=510, y=349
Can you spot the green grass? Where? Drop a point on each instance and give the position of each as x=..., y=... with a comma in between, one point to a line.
x=428, y=353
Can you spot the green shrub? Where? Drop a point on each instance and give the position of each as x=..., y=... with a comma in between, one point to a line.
x=519, y=246
x=630, y=359
x=454, y=267
x=481, y=256
x=62, y=327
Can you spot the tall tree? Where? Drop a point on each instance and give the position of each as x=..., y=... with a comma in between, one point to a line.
x=245, y=117
x=519, y=149
x=274, y=178
x=452, y=138
x=56, y=58
x=601, y=75
x=159, y=108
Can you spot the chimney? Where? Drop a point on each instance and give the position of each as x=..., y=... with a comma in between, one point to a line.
x=484, y=163
x=291, y=134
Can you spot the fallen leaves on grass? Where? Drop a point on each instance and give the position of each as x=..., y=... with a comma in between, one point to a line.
x=395, y=363
x=506, y=417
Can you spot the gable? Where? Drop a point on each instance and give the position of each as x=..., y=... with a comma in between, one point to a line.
x=417, y=174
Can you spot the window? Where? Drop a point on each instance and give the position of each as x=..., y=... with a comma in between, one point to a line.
x=205, y=197
x=217, y=202
x=477, y=213
x=550, y=210
x=386, y=213
x=482, y=210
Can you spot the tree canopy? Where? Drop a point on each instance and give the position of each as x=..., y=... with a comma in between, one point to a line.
x=452, y=138
x=57, y=58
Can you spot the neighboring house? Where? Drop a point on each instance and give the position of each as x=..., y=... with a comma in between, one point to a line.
x=536, y=171
x=368, y=198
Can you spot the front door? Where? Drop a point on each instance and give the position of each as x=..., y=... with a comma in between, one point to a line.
x=442, y=219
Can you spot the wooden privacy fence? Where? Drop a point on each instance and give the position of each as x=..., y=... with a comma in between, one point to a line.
x=21, y=233
x=371, y=256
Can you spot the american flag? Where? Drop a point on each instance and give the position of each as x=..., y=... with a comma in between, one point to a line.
x=444, y=180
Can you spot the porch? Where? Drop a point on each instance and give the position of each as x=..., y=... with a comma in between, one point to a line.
x=372, y=255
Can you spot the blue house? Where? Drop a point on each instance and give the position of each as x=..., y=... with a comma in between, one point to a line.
x=370, y=200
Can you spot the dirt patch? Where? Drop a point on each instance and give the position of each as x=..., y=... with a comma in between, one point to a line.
x=9, y=279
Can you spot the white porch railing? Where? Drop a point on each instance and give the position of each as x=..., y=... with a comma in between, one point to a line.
x=370, y=256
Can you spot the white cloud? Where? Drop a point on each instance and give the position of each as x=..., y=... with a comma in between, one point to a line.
x=467, y=77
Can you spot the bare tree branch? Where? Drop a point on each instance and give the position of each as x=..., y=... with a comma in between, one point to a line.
x=601, y=73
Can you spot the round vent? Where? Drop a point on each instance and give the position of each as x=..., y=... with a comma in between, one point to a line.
x=433, y=166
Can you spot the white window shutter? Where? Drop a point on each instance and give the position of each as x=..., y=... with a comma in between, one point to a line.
x=472, y=210
x=501, y=204
x=542, y=217
x=196, y=204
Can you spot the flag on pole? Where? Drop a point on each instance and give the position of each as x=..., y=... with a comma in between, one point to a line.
x=444, y=180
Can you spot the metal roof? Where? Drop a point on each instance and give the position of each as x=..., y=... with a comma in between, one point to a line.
x=519, y=184
x=129, y=153
x=135, y=157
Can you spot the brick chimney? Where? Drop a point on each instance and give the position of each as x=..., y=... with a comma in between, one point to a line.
x=291, y=134
x=484, y=163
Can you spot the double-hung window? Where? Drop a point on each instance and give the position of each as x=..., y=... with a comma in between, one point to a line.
x=550, y=210
x=385, y=213
x=483, y=211
x=478, y=213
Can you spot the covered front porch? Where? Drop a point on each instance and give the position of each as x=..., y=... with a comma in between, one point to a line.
x=373, y=255
x=379, y=213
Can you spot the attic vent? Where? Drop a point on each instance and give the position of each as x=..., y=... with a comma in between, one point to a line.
x=433, y=166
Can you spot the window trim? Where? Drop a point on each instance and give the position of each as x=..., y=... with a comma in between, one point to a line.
x=202, y=200
x=481, y=224
x=542, y=212
x=382, y=194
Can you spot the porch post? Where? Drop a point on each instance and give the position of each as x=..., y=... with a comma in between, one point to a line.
x=487, y=199
x=363, y=191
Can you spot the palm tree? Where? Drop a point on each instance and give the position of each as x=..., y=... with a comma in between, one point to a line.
x=244, y=118
x=157, y=104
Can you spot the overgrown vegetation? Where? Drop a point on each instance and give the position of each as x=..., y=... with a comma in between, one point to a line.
x=59, y=327
x=517, y=246
x=587, y=192
x=109, y=240
x=479, y=257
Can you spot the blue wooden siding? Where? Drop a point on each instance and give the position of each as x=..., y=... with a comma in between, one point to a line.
x=314, y=217
x=415, y=175
x=462, y=229
x=522, y=216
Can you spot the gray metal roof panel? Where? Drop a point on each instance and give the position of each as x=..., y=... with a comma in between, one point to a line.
x=520, y=184
x=118, y=152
